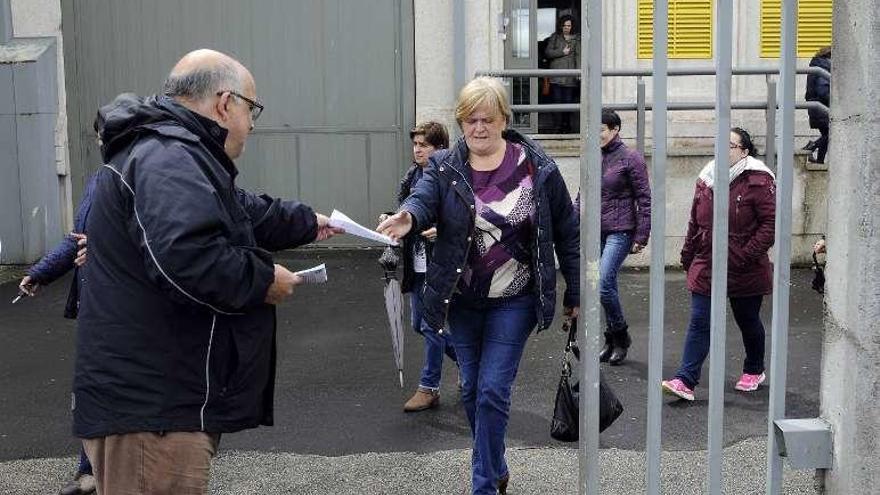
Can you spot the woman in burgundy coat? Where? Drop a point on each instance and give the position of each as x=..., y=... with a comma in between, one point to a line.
x=751, y=217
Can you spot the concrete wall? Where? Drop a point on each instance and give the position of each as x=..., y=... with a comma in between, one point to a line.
x=435, y=57
x=850, y=389
x=39, y=18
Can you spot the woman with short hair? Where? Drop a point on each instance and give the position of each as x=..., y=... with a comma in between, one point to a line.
x=427, y=138
x=625, y=228
x=501, y=210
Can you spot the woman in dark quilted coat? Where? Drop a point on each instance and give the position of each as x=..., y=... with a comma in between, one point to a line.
x=751, y=217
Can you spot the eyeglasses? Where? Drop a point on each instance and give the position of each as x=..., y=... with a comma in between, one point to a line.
x=254, y=106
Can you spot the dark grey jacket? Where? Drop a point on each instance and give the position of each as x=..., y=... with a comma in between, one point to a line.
x=559, y=60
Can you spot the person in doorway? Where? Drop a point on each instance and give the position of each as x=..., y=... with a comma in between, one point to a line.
x=426, y=138
x=176, y=338
x=751, y=217
x=564, y=52
x=501, y=209
x=68, y=255
x=819, y=89
x=626, y=226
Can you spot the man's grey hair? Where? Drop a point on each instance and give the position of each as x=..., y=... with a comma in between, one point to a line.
x=203, y=83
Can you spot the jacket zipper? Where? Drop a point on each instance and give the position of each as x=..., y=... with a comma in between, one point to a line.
x=736, y=211
x=458, y=270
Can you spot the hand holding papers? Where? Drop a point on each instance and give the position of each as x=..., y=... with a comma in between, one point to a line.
x=314, y=275
x=340, y=220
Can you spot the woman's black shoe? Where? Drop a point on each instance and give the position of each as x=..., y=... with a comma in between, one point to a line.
x=810, y=146
x=622, y=341
x=502, y=484
x=606, y=351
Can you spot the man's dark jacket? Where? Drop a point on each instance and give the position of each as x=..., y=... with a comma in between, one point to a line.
x=173, y=331
x=444, y=196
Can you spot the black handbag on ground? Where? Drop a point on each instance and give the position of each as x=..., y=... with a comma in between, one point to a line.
x=565, y=423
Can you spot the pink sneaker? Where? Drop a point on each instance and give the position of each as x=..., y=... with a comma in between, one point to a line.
x=678, y=388
x=750, y=383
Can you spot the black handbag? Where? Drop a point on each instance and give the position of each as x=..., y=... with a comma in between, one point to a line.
x=565, y=423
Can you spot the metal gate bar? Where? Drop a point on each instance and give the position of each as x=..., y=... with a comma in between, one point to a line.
x=590, y=181
x=721, y=193
x=658, y=255
x=782, y=257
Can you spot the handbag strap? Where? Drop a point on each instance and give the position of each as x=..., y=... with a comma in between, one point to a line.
x=570, y=345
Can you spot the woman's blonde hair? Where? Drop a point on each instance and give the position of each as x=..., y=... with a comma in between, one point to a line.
x=482, y=91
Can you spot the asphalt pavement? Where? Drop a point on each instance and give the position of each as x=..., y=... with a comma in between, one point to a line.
x=340, y=427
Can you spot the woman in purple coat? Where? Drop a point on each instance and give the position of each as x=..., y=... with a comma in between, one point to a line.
x=626, y=225
x=751, y=217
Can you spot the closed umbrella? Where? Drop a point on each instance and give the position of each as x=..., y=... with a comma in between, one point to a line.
x=394, y=305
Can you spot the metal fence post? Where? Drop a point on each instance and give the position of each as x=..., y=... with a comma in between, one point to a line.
x=590, y=180
x=640, y=115
x=5, y=21
x=658, y=245
x=717, y=353
x=770, y=140
x=782, y=258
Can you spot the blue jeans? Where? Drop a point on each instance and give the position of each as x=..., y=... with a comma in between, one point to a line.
x=746, y=312
x=615, y=249
x=489, y=339
x=435, y=344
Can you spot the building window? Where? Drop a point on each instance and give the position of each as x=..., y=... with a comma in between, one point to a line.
x=813, y=27
x=690, y=28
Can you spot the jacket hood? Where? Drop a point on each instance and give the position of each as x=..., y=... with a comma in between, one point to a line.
x=119, y=122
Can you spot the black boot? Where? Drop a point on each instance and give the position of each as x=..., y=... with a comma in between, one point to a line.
x=622, y=342
x=606, y=351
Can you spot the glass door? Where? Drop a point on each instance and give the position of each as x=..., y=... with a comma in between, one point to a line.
x=529, y=27
x=520, y=52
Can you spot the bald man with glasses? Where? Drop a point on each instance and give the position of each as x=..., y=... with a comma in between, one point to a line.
x=176, y=341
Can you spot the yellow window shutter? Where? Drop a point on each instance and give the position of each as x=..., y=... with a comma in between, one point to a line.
x=813, y=27
x=690, y=28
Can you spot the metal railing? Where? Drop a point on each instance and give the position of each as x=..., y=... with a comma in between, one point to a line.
x=641, y=106
x=590, y=183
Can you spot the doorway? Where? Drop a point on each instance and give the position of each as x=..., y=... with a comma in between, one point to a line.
x=531, y=27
